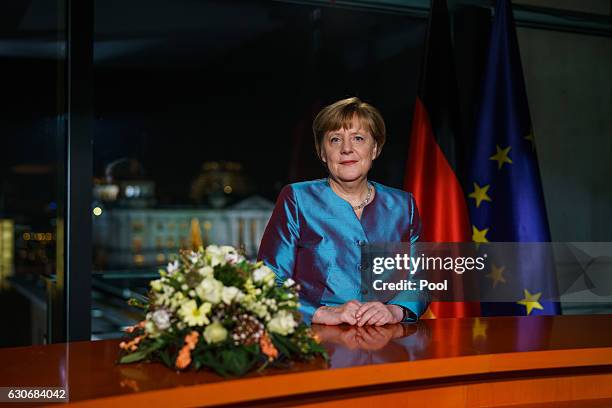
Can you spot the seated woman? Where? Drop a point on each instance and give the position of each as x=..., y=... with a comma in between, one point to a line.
x=317, y=227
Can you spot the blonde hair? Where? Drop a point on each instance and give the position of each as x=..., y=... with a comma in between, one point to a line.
x=340, y=115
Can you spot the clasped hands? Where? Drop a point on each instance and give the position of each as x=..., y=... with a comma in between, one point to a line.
x=359, y=314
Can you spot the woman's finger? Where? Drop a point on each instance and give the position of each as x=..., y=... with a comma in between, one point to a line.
x=385, y=319
x=380, y=318
x=365, y=307
x=368, y=316
x=348, y=316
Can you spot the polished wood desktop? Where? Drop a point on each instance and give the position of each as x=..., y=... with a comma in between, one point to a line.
x=498, y=361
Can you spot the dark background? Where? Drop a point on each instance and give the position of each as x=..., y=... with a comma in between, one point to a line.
x=181, y=83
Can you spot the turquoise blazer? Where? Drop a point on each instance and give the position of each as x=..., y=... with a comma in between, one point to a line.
x=315, y=238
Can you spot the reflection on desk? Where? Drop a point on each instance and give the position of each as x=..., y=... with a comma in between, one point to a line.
x=349, y=346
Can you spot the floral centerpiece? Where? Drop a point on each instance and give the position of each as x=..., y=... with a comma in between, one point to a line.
x=213, y=308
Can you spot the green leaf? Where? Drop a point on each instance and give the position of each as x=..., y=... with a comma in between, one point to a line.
x=140, y=354
x=229, y=275
x=209, y=360
x=137, y=303
x=133, y=357
x=235, y=361
x=316, y=348
x=285, y=345
x=165, y=358
x=197, y=364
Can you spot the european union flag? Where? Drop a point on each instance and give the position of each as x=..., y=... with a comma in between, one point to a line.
x=506, y=201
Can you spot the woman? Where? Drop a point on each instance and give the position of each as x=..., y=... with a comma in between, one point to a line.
x=317, y=227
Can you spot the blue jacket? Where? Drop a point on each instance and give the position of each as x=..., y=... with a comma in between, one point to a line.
x=315, y=238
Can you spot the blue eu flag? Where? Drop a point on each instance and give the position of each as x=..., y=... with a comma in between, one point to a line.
x=505, y=198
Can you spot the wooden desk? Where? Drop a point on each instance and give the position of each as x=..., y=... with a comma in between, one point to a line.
x=501, y=361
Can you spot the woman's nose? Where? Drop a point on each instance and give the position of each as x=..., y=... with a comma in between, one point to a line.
x=347, y=146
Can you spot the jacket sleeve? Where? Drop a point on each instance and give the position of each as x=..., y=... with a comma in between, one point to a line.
x=278, y=248
x=415, y=301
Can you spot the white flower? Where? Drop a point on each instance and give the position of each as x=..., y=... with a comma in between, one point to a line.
x=184, y=287
x=283, y=323
x=167, y=290
x=150, y=329
x=176, y=300
x=230, y=254
x=194, y=315
x=215, y=255
x=263, y=274
x=212, y=249
x=230, y=293
x=161, y=318
x=271, y=303
x=215, y=333
x=163, y=297
x=193, y=257
x=233, y=258
x=156, y=285
x=172, y=267
x=206, y=271
x=210, y=290
x=289, y=283
x=259, y=309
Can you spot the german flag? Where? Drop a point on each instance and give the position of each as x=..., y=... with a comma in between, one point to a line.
x=431, y=173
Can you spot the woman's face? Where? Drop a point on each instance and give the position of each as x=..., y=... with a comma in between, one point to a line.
x=348, y=153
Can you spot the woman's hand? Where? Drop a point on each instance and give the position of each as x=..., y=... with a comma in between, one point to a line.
x=378, y=314
x=334, y=315
x=373, y=337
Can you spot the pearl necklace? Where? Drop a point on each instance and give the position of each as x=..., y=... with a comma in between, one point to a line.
x=364, y=202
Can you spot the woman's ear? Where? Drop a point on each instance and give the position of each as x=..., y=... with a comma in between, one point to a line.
x=323, y=158
x=375, y=151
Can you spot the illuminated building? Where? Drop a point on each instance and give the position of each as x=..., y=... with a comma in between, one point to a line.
x=139, y=237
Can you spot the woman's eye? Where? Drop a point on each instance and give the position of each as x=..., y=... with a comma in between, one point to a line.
x=359, y=138
x=335, y=139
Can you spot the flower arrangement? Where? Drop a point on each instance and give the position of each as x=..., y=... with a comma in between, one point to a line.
x=213, y=308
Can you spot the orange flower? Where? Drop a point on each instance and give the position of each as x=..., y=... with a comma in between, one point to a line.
x=267, y=347
x=192, y=339
x=184, y=358
x=139, y=325
x=131, y=345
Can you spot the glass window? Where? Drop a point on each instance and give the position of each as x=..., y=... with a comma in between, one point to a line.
x=32, y=54
x=204, y=111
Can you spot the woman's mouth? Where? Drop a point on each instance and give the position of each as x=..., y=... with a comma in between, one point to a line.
x=348, y=162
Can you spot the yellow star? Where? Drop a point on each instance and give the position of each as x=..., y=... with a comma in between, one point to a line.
x=501, y=156
x=531, y=301
x=496, y=274
x=480, y=194
x=479, y=329
x=479, y=236
x=531, y=140
x=428, y=314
